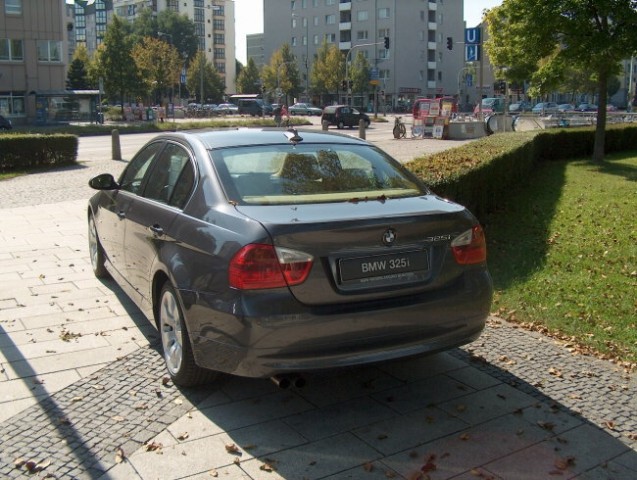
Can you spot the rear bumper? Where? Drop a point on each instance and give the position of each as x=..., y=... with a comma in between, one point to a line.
x=290, y=337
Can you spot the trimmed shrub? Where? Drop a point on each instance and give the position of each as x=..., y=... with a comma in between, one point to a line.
x=27, y=152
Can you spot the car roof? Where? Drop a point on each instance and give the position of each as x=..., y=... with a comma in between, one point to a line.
x=259, y=136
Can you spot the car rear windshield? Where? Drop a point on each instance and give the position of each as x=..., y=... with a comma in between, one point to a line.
x=311, y=173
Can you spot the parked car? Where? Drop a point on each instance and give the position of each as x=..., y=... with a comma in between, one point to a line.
x=254, y=107
x=565, y=107
x=5, y=123
x=304, y=109
x=490, y=105
x=343, y=116
x=586, y=107
x=611, y=108
x=227, y=109
x=259, y=253
x=545, y=108
x=520, y=107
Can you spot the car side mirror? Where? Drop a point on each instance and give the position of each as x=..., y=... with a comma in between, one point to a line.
x=105, y=181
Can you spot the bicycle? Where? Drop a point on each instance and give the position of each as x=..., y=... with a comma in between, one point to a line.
x=400, y=131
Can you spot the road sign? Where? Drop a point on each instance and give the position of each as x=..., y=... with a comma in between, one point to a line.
x=472, y=36
x=472, y=53
x=469, y=80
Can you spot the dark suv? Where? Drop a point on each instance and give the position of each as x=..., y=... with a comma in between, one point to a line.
x=5, y=124
x=254, y=107
x=343, y=116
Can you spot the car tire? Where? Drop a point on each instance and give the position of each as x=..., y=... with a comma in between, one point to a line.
x=175, y=342
x=96, y=252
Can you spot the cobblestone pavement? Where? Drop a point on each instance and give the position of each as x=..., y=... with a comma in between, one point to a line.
x=512, y=405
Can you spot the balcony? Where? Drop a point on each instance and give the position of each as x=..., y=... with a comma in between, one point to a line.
x=344, y=6
x=431, y=65
x=431, y=46
x=433, y=6
x=345, y=26
x=431, y=84
x=344, y=45
x=432, y=26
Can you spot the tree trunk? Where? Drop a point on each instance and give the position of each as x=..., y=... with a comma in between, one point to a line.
x=600, y=130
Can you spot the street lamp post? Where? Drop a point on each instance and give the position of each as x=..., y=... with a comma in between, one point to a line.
x=307, y=55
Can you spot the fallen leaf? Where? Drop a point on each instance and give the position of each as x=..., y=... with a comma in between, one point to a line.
x=19, y=462
x=153, y=446
x=119, y=455
x=213, y=473
x=464, y=437
x=368, y=467
x=564, y=463
x=117, y=418
x=546, y=425
x=178, y=401
x=165, y=380
x=183, y=436
x=99, y=387
x=233, y=449
x=610, y=424
x=77, y=399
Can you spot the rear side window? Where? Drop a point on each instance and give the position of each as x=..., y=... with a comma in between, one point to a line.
x=131, y=179
x=172, y=177
x=281, y=174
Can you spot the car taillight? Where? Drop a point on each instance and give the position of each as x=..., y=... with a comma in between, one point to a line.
x=258, y=266
x=470, y=247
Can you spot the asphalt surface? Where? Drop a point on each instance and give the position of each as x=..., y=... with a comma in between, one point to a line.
x=83, y=390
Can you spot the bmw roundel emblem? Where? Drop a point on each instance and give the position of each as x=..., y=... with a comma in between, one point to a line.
x=389, y=237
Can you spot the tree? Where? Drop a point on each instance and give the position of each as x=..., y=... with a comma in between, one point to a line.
x=177, y=29
x=116, y=64
x=201, y=73
x=530, y=36
x=158, y=64
x=282, y=73
x=359, y=73
x=328, y=69
x=248, y=80
x=77, y=76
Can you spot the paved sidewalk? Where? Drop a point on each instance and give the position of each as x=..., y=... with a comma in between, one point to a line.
x=83, y=395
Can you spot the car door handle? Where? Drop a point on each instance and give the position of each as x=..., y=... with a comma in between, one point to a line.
x=156, y=229
x=121, y=214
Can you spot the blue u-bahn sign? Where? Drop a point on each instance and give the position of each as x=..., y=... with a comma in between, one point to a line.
x=472, y=36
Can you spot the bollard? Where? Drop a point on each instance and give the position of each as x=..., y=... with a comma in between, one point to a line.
x=325, y=124
x=361, y=129
x=117, y=150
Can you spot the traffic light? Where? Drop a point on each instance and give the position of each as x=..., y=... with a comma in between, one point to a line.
x=449, y=43
x=386, y=43
x=350, y=83
x=344, y=85
x=262, y=88
x=382, y=93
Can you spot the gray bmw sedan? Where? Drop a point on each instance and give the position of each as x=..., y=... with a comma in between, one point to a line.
x=268, y=253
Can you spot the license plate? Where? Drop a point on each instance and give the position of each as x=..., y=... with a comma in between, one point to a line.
x=395, y=264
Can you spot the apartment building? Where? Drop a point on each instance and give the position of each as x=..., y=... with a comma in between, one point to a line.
x=417, y=63
x=214, y=25
x=32, y=61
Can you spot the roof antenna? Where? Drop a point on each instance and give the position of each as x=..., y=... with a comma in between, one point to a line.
x=293, y=136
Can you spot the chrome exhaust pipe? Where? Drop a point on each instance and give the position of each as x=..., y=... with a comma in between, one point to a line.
x=281, y=381
x=287, y=381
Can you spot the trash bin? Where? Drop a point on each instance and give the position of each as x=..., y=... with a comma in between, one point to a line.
x=149, y=113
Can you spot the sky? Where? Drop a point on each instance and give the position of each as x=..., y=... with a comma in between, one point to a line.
x=249, y=19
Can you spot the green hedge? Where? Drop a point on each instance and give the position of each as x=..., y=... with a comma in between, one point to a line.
x=28, y=151
x=481, y=174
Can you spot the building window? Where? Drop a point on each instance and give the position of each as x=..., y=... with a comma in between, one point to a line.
x=11, y=105
x=362, y=35
x=293, y=42
x=219, y=39
x=293, y=22
x=330, y=2
x=11, y=50
x=220, y=67
x=198, y=16
x=293, y=5
x=172, y=5
x=316, y=21
x=218, y=10
x=330, y=19
x=330, y=37
x=220, y=53
x=316, y=39
x=383, y=74
x=383, y=13
x=383, y=54
x=218, y=24
x=362, y=15
x=49, y=51
x=383, y=32
x=315, y=3
x=13, y=7
x=304, y=41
